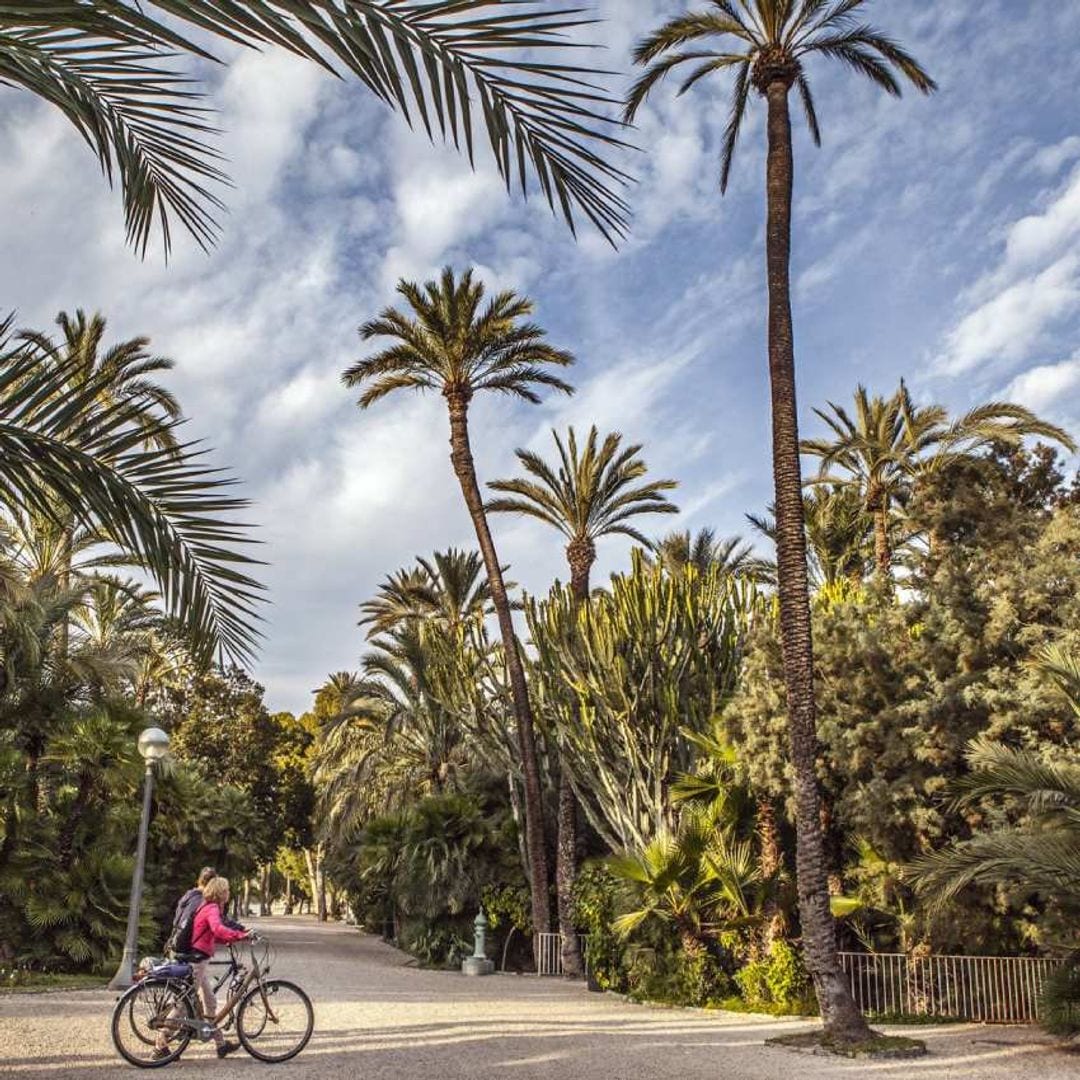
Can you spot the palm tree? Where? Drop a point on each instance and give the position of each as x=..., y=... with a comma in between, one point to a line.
x=449, y=587
x=121, y=375
x=889, y=443
x=1042, y=855
x=838, y=534
x=453, y=343
x=702, y=550
x=765, y=44
x=110, y=70
x=69, y=449
x=592, y=494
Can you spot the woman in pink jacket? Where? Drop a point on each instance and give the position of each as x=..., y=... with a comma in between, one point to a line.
x=207, y=933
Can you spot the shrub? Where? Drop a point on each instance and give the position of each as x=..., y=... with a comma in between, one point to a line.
x=1059, y=1002
x=779, y=982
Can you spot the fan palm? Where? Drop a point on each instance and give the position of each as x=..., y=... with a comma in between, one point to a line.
x=67, y=450
x=110, y=69
x=883, y=449
x=765, y=44
x=452, y=342
x=595, y=492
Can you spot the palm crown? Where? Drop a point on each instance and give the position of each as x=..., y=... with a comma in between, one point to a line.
x=450, y=587
x=765, y=40
x=593, y=492
x=453, y=342
x=888, y=443
x=123, y=373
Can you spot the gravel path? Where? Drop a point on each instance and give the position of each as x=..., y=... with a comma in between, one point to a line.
x=378, y=1018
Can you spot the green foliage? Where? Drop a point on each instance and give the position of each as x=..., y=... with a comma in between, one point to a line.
x=436, y=946
x=594, y=896
x=624, y=678
x=780, y=982
x=904, y=683
x=1059, y=1002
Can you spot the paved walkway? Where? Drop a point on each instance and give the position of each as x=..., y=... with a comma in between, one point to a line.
x=378, y=1018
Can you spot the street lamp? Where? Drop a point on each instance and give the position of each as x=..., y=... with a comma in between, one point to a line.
x=153, y=746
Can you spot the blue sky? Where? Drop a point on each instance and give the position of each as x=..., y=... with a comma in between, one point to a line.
x=936, y=239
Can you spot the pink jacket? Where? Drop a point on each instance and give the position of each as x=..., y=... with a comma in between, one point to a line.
x=209, y=930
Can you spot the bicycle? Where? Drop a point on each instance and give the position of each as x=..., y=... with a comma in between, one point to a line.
x=274, y=1018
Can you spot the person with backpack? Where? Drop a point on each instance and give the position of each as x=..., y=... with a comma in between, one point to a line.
x=179, y=942
x=201, y=936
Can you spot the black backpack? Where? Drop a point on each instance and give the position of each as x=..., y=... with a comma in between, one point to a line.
x=179, y=942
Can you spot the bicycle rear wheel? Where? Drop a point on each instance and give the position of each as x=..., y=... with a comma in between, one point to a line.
x=275, y=1020
x=151, y=1008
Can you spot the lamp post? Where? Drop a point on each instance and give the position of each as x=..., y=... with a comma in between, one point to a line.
x=153, y=745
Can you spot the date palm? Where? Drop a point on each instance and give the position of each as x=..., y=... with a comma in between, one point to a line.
x=451, y=341
x=450, y=587
x=65, y=450
x=885, y=445
x=765, y=45
x=703, y=550
x=591, y=493
x=838, y=534
x=123, y=374
x=450, y=65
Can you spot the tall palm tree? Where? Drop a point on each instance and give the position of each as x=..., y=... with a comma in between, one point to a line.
x=765, y=45
x=451, y=341
x=590, y=494
x=66, y=449
x=889, y=443
x=110, y=69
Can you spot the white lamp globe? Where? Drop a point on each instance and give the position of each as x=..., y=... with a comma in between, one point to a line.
x=153, y=744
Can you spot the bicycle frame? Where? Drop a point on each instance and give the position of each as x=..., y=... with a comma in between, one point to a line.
x=255, y=973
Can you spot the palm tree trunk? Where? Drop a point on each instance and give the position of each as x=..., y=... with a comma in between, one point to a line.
x=465, y=470
x=882, y=548
x=841, y=1017
x=566, y=868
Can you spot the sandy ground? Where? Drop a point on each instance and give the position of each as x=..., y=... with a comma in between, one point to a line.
x=378, y=1018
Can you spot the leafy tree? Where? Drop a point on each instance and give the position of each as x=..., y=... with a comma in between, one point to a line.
x=593, y=493
x=108, y=68
x=891, y=443
x=219, y=722
x=906, y=682
x=765, y=44
x=451, y=343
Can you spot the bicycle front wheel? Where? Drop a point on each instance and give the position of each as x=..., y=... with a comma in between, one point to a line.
x=153, y=1011
x=275, y=1020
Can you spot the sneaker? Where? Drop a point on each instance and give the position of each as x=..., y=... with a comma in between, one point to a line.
x=160, y=1052
x=226, y=1048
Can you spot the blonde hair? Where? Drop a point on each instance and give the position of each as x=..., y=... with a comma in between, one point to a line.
x=216, y=890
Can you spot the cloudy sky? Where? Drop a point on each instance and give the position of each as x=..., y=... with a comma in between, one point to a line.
x=936, y=239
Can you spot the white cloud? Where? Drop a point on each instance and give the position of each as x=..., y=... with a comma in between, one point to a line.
x=1049, y=388
x=1013, y=322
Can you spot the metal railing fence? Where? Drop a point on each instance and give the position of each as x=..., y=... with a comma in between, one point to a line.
x=549, y=953
x=996, y=989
